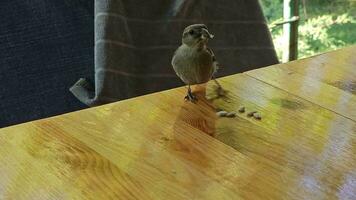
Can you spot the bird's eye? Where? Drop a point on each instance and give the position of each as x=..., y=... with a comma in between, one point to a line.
x=191, y=32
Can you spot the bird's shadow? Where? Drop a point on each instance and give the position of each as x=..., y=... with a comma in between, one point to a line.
x=214, y=93
x=201, y=114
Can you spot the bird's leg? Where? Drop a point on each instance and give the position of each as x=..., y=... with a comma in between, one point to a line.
x=190, y=96
x=220, y=91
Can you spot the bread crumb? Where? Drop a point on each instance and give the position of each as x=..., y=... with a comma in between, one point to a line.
x=241, y=109
x=222, y=113
x=231, y=114
x=250, y=114
x=257, y=115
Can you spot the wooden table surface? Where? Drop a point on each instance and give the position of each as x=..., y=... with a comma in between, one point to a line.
x=160, y=147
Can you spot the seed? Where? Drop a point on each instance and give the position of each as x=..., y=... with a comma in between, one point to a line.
x=231, y=114
x=222, y=113
x=241, y=109
x=257, y=116
x=250, y=114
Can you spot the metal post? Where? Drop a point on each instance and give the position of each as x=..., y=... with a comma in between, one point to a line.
x=290, y=30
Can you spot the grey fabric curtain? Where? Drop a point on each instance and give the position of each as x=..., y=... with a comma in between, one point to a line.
x=135, y=39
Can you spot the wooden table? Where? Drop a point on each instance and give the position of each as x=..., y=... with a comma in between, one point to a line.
x=160, y=147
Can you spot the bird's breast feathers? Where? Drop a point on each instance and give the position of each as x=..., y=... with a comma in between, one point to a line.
x=193, y=66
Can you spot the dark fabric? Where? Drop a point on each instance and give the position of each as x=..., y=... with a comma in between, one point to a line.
x=45, y=45
x=135, y=40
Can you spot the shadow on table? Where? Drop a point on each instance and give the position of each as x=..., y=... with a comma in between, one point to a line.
x=200, y=115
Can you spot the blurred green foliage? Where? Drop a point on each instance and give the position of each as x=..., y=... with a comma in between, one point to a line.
x=324, y=25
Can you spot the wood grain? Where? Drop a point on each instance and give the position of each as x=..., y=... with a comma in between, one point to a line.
x=293, y=133
x=331, y=83
x=172, y=157
x=40, y=162
x=336, y=68
x=160, y=147
x=166, y=161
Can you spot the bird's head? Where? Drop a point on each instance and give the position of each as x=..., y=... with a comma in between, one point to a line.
x=196, y=35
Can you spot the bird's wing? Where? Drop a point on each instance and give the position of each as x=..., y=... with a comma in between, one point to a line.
x=212, y=54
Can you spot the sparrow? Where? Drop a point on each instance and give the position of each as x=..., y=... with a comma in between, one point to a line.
x=193, y=62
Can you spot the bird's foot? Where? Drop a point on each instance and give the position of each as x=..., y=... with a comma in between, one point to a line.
x=190, y=97
x=220, y=91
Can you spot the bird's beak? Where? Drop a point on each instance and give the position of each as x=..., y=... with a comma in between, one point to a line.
x=206, y=34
